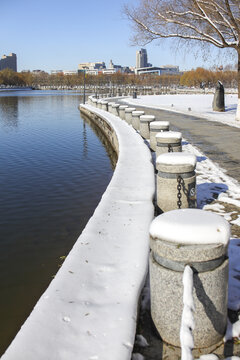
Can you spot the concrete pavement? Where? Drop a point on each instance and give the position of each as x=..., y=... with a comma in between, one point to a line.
x=219, y=142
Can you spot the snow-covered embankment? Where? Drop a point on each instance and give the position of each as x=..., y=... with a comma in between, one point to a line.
x=89, y=311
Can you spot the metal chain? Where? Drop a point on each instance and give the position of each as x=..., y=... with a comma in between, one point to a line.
x=179, y=188
x=170, y=148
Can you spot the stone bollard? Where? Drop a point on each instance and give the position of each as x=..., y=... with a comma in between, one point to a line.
x=122, y=111
x=128, y=114
x=136, y=119
x=145, y=121
x=199, y=239
x=168, y=141
x=99, y=104
x=155, y=127
x=218, y=99
x=110, y=106
x=115, y=109
x=94, y=102
x=176, y=181
x=104, y=105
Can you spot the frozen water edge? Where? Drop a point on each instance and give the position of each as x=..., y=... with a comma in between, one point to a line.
x=89, y=311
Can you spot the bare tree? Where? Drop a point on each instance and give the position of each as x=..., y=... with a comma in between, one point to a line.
x=215, y=22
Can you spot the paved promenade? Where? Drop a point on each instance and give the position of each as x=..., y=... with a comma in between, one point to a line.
x=220, y=142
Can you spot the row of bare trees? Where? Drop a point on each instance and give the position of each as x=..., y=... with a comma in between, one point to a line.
x=206, y=78
x=198, y=78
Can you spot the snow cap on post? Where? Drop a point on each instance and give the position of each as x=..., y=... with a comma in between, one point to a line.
x=191, y=227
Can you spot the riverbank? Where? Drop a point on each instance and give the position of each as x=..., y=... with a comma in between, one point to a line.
x=109, y=262
x=90, y=307
x=15, y=88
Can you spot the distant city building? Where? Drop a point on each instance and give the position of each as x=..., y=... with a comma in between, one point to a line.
x=111, y=65
x=55, y=72
x=92, y=72
x=127, y=70
x=118, y=68
x=141, y=59
x=69, y=72
x=9, y=62
x=169, y=70
x=91, y=66
x=38, y=72
x=162, y=70
x=109, y=71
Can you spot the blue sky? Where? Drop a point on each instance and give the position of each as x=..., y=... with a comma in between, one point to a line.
x=57, y=34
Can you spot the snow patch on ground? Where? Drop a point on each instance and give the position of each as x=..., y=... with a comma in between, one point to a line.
x=201, y=106
x=187, y=322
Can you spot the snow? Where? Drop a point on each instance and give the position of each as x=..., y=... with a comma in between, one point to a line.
x=209, y=357
x=233, y=330
x=159, y=125
x=147, y=118
x=169, y=135
x=212, y=182
x=215, y=357
x=89, y=311
x=129, y=109
x=187, y=322
x=137, y=113
x=207, y=227
x=238, y=111
x=201, y=105
x=177, y=158
x=236, y=222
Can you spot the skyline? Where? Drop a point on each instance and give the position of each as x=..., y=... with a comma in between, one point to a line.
x=59, y=35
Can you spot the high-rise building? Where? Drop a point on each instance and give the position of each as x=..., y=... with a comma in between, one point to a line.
x=91, y=66
x=9, y=62
x=141, y=58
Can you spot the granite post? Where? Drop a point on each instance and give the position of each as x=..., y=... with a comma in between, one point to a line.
x=145, y=121
x=136, y=119
x=199, y=239
x=122, y=111
x=176, y=181
x=128, y=114
x=168, y=141
x=155, y=127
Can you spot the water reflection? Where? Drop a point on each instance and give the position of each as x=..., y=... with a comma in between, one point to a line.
x=9, y=112
x=104, y=140
x=85, y=145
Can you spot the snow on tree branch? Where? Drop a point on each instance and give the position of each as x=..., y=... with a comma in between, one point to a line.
x=214, y=21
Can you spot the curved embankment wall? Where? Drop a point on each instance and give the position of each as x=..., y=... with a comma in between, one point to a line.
x=89, y=311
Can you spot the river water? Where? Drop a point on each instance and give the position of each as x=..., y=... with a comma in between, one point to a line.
x=54, y=169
